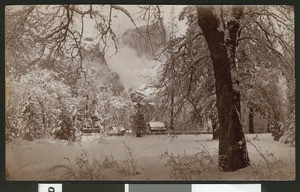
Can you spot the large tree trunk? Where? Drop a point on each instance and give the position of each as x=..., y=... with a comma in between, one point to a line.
x=251, y=123
x=233, y=153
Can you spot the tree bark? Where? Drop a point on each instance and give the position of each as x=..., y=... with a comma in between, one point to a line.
x=233, y=153
x=251, y=124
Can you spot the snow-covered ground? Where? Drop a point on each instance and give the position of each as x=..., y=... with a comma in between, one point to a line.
x=34, y=160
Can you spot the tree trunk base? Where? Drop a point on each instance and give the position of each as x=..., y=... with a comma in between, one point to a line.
x=235, y=159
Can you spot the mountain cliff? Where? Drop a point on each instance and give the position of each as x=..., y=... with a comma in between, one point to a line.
x=146, y=40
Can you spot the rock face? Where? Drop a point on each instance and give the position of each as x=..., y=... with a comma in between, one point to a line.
x=96, y=67
x=146, y=40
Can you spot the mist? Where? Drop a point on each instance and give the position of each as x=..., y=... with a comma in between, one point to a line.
x=134, y=70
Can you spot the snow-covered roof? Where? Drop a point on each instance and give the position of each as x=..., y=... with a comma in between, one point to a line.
x=116, y=129
x=156, y=124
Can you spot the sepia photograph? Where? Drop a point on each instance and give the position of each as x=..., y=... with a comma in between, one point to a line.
x=111, y=92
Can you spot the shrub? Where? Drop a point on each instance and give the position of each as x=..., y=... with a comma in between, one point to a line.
x=84, y=168
x=127, y=166
x=195, y=166
x=289, y=133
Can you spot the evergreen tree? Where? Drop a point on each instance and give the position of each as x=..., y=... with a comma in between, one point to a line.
x=29, y=115
x=66, y=131
x=138, y=122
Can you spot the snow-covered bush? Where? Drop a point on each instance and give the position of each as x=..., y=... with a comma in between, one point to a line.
x=289, y=135
x=289, y=128
x=127, y=166
x=191, y=166
x=85, y=168
x=276, y=130
x=34, y=106
x=82, y=168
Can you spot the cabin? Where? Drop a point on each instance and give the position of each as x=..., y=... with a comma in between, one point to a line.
x=90, y=130
x=157, y=127
x=117, y=131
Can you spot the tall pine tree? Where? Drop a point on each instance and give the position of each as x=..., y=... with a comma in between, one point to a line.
x=138, y=121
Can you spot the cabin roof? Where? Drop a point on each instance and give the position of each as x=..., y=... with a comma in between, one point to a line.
x=156, y=124
x=117, y=129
